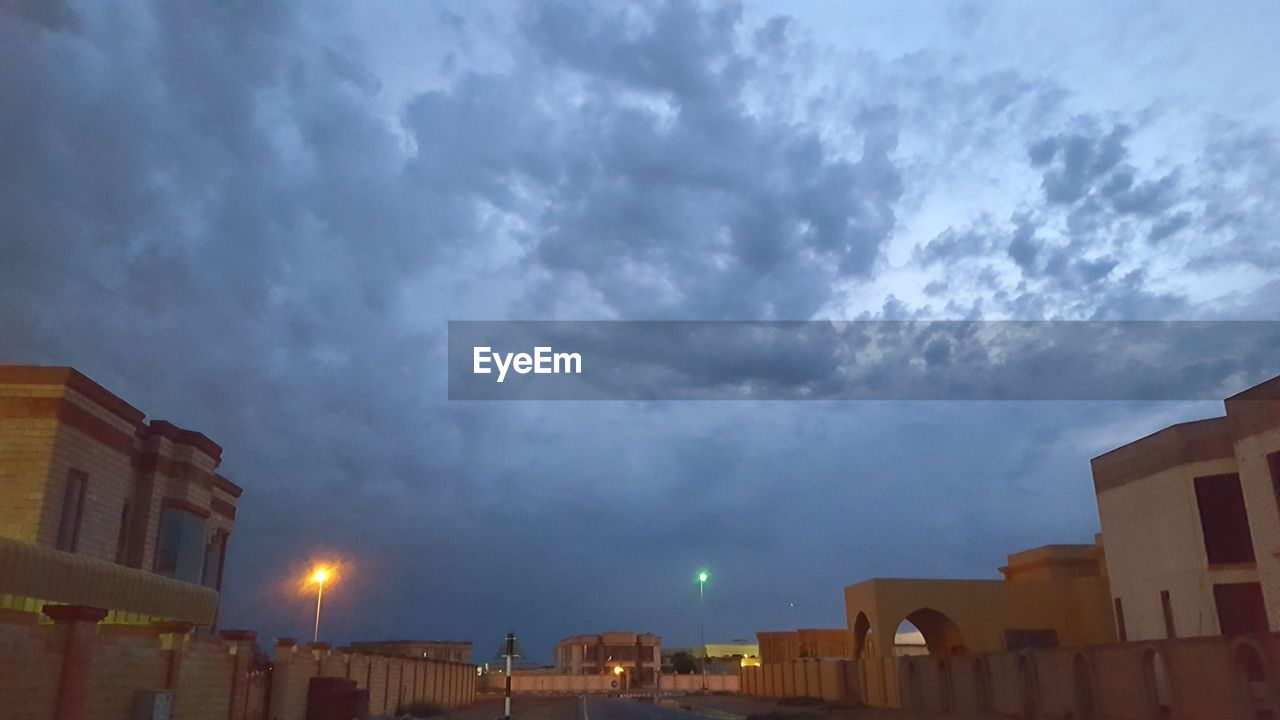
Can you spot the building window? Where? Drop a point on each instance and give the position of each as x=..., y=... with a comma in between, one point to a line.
x=1240, y=608
x=1166, y=606
x=72, y=511
x=1224, y=520
x=122, y=538
x=180, y=545
x=1273, y=462
x=215, y=554
x=1120, y=629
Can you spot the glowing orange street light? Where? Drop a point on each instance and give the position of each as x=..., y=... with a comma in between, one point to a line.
x=617, y=670
x=319, y=576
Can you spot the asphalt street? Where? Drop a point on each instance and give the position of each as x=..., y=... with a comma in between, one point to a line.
x=572, y=708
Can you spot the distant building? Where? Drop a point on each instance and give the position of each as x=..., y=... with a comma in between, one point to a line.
x=788, y=645
x=446, y=650
x=720, y=658
x=103, y=510
x=1191, y=522
x=638, y=654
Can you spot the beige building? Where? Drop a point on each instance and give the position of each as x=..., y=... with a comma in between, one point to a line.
x=1050, y=596
x=100, y=508
x=458, y=651
x=1192, y=528
x=639, y=655
x=788, y=645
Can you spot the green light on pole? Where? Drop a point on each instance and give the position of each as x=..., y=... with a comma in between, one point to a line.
x=702, y=631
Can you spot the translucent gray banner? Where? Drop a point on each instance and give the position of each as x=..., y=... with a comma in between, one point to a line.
x=874, y=360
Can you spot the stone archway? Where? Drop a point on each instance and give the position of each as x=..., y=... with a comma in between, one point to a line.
x=942, y=636
x=861, y=626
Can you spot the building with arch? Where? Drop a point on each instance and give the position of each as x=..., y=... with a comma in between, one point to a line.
x=1055, y=595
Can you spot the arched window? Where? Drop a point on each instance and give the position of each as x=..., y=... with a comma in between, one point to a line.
x=982, y=683
x=1251, y=670
x=1082, y=675
x=944, y=686
x=1155, y=675
x=1029, y=686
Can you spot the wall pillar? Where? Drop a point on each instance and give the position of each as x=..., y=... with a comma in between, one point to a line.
x=282, y=663
x=81, y=626
x=173, y=641
x=240, y=645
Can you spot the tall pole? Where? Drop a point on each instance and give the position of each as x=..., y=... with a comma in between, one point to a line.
x=702, y=625
x=315, y=636
x=510, y=651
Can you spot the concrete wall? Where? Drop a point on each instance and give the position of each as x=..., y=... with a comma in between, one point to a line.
x=102, y=669
x=537, y=682
x=1201, y=678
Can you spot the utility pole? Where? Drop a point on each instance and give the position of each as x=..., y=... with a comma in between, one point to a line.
x=702, y=624
x=508, y=651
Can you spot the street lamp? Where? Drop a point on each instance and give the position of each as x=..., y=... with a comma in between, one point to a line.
x=319, y=576
x=702, y=624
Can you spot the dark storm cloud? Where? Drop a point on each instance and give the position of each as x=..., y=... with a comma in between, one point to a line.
x=232, y=215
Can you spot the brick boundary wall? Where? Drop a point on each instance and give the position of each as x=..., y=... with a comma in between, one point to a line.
x=1211, y=677
x=73, y=668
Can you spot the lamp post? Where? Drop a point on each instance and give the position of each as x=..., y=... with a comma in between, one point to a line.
x=319, y=576
x=702, y=623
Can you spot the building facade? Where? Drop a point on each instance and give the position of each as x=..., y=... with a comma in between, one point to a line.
x=458, y=651
x=100, y=508
x=639, y=655
x=1191, y=520
x=789, y=645
x=1051, y=596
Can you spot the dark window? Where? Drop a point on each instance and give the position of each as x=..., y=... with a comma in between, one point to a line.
x=180, y=545
x=1020, y=639
x=1224, y=520
x=1273, y=462
x=214, y=555
x=1124, y=635
x=1240, y=608
x=122, y=538
x=72, y=511
x=1166, y=606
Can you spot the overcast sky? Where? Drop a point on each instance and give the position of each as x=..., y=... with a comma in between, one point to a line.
x=255, y=218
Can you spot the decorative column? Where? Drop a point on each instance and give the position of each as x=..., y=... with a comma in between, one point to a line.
x=81, y=626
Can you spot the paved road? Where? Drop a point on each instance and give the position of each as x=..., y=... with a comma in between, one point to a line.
x=603, y=708
x=613, y=709
x=571, y=708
